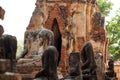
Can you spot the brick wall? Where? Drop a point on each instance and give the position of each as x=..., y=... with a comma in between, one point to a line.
x=117, y=70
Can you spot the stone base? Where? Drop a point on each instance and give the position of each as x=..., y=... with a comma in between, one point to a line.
x=28, y=66
x=10, y=76
x=5, y=65
x=17, y=76
x=28, y=76
x=28, y=69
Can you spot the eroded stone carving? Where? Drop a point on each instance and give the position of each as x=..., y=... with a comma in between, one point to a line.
x=1, y=30
x=36, y=42
x=2, y=49
x=110, y=74
x=100, y=66
x=89, y=66
x=74, y=67
x=10, y=46
x=31, y=44
x=2, y=12
x=37, y=39
x=98, y=33
x=49, y=64
x=2, y=46
x=4, y=66
x=35, y=50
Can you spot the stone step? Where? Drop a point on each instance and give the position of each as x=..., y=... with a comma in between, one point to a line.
x=17, y=76
x=10, y=76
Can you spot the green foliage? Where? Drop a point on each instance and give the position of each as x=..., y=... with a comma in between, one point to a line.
x=19, y=47
x=113, y=30
x=105, y=6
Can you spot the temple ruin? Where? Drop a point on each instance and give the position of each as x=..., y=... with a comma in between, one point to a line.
x=67, y=25
x=73, y=22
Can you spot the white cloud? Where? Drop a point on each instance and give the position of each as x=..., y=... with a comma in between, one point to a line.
x=116, y=6
x=17, y=16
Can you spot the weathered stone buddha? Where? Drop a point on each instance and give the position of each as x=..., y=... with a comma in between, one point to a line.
x=110, y=74
x=74, y=67
x=49, y=65
x=31, y=44
x=8, y=48
x=37, y=39
x=100, y=66
x=89, y=66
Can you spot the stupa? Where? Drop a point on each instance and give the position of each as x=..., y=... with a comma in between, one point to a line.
x=73, y=22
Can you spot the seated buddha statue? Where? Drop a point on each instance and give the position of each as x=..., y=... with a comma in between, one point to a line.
x=37, y=39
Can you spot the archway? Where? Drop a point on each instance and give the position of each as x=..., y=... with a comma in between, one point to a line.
x=57, y=37
x=56, y=17
x=56, y=23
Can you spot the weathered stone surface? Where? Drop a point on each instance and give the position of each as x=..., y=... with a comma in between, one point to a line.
x=74, y=67
x=37, y=39
x=49, y=64
x=29, y=65
x=42, y=40
x=10, y=47
x=100, y=70
x=2, y=49
x=89, y=65
x=73, y=22
x=110, y=74
x=10, y=76
x=1, y=30
x=2, y=12
x=5, y=65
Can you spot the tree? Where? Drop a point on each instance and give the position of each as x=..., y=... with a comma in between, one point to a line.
x=113, y=30
x=105, y=6
x=19, y=47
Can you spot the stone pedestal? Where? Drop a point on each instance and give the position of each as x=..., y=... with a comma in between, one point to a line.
x=28, y=76
x=4, y=65
x=28, y=65
x=10, y=76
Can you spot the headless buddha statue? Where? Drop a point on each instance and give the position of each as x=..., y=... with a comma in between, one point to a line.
x=37, y=39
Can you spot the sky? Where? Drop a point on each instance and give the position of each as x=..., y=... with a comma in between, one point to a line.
x=19, y=12
x=17, y=16
x=115, y=7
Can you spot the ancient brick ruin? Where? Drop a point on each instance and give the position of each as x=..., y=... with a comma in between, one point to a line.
x=73, y=22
